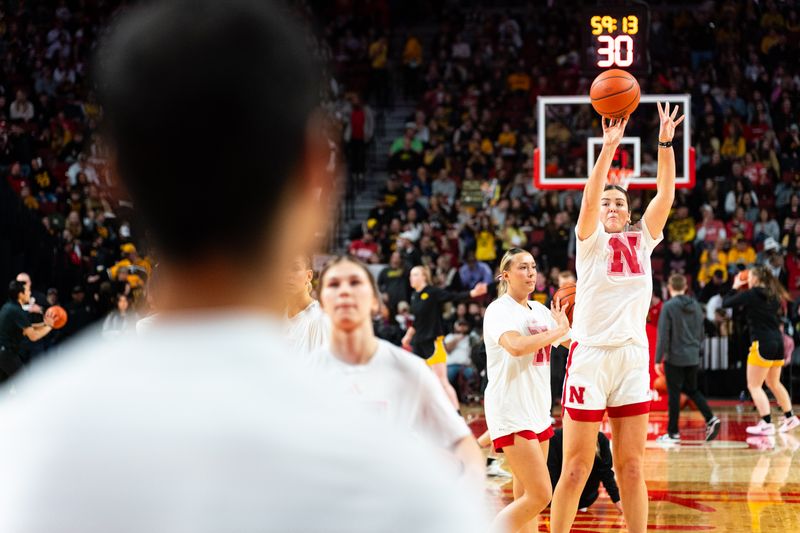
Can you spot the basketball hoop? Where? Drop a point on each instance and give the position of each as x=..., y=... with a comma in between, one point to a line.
x=620, y=176
x=584, y=145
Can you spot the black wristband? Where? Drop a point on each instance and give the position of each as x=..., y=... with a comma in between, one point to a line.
x=667, y=144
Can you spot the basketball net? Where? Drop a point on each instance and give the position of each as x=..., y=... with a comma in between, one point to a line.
x=620, y=176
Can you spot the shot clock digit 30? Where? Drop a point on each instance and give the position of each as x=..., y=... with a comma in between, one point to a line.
x=615, y=37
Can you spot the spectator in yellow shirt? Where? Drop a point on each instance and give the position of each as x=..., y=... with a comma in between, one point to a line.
x=512, y=235
x=486, y=242
x=412, y=63
x=519, y=80
x=742, y=254
x=771, y=39
x=682, y=226
x=507, y=140
x=734, y=145
x=772, y=19
x=379, y=76
x=710, y=261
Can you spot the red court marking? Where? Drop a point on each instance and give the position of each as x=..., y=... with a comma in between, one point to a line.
x=667, y=496
x=650, y=527
x=727, y=492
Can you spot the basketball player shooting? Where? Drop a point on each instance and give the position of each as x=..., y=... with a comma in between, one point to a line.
x=608, y=365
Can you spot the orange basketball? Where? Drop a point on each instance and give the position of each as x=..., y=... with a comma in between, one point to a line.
x=58, y=316
x=744, y=275
x=660, y=384
x=615, y=93
x=566, y=294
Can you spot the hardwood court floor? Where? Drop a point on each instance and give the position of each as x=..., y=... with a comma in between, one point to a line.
x=733, y=484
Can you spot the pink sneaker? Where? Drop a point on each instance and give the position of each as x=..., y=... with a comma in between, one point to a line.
x=789, y=424
x=762, y=428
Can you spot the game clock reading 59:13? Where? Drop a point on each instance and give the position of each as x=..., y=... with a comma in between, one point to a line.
x=602, y=24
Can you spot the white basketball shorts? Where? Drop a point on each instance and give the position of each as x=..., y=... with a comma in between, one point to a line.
x=599, y=378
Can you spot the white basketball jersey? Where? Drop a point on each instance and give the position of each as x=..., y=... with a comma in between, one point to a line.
x=615, y=286
x=518, y=394
x=308, y=330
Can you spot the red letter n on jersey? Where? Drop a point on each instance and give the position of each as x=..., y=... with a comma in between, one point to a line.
x=624, y=257
x=576, y=394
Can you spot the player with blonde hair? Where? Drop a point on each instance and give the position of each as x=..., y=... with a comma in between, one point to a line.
x=426, y=337
x=518, y=334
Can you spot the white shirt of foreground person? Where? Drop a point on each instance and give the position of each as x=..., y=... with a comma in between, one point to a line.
x=398, y=387
x=205, y=426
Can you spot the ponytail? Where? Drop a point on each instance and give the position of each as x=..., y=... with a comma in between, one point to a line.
x=772, y=286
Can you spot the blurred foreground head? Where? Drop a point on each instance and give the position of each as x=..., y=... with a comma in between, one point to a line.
x=210, y=112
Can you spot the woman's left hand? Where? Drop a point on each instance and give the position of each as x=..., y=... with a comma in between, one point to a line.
x=666, y=130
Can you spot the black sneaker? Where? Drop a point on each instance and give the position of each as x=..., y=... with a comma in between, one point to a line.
x=712, y=428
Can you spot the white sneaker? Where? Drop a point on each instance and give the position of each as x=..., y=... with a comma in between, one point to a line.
x=762, y=428
x=494, y=470
x=789, y=424
x=666, y=438
x=761, y=443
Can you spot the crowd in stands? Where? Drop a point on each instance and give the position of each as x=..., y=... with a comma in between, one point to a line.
x=460, y=191
x=63, y=219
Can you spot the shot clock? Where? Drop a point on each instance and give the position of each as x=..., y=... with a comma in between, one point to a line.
x=615, y=37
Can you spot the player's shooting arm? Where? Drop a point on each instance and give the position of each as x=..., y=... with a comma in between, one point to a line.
x=593, y=190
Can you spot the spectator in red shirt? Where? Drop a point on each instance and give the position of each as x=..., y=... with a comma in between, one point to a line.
x=364, y=248
x=710, y=228
x=357, y=134
x=793, y=267
x=740, y=225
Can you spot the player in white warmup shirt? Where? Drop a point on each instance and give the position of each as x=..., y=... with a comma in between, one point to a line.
x=518, y=334
x=608, y=365
x=381, y=377
x=307, y=328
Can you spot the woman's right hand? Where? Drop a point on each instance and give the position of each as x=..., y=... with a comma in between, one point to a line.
x=479, y=290
x=559, y=314
x=406, y=342
x=738, y=282
x=613, y=130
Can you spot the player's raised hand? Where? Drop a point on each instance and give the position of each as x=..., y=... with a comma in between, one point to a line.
x=613, y=130
x=559, y=314
x=668, y=123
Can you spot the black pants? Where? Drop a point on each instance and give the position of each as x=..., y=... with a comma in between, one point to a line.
x=357, y=156
x=683, y=379
x=10, y=363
